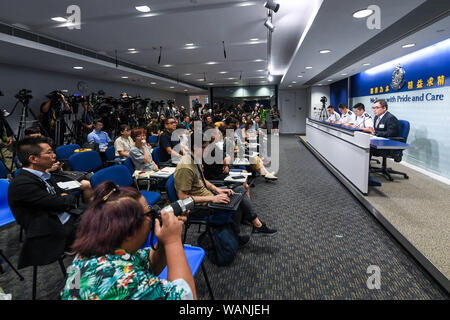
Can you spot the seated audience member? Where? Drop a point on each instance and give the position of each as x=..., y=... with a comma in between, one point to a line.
x=167, y=142
x=190, y=182
x=363, y=119
x=333, y=115
x=40, y=206
x=140, y=154
x=347, y=116
x=112, y=265
x=124, y=143
x=99, y=136
x=153, y=128
x=385, y=123
x=32, y=132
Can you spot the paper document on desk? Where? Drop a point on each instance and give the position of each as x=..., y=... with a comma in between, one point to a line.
x=241, y=180
x=237, y=173
x=69, y=185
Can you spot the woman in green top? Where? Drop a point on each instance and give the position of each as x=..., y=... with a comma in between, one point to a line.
x=110, y=263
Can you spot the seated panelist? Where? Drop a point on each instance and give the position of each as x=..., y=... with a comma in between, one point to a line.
x=347, y=116
x=333, y=115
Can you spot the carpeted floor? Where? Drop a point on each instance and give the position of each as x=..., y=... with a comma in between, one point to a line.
x=325, y=244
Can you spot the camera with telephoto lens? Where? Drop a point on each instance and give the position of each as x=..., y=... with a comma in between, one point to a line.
x=179, y=208
x=24, y=95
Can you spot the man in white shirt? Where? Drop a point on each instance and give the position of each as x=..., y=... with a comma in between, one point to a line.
x=363, y=120
x=347, y=116
x=334, y=116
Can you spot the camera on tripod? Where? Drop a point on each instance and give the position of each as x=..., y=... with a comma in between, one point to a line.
x=323, y=100
x=24, y=96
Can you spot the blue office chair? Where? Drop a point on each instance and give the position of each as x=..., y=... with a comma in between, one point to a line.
x=397, y=155
x=129, y=164
x=194, y=257
x=3, y=170
x=64, y=152
x=121, y=176
x=6, y=217
x=88, y=161
x=153, y=140
x=155, y=155
x=200, y=215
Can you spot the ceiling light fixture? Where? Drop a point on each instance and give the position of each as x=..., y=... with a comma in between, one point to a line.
x=272, y=5
x=299, y=76
x=409, y=45
x=308, y=68
x=59, y=19
x=172, y=87
x=254, y=39
x=270, y=77
x=223, y=72
x=167, y=65
x=366, y=64
x=124, y=77
x=152, y=82
x=212, y=62
x=344, y=74
x=132, y=49
x=362, y=13
x=188, y=74
x=325, y=51
x=143, y=8
x=78, y=68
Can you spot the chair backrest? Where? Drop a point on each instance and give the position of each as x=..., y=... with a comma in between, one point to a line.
x=3, y=171
x=153, y=139
x=129, y=164
x=64, y=152
x=155, y=155
x=110, y=153
x=6, y=215
x=118, y=173
x=403, y=128
x=171, y=191
x=87, y=161
x=17, y=172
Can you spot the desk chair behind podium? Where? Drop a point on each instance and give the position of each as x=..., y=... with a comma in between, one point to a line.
x=397, y=155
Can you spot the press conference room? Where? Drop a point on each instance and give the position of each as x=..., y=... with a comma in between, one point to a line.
x=225, y=150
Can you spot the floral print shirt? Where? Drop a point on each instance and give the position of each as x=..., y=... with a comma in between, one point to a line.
x=118, y=276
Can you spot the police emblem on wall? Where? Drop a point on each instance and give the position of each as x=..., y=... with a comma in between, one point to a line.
x=398, y=78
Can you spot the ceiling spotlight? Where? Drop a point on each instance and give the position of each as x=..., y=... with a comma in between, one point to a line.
x=270, y=77
x=362, y=13
x=344, y=74
x=272, y=5
x=299, y=76
x=408, y=45
x=59, y=19
x=143, y=8
x=132, y=49
x=188, y=74
x=308, y=68
x=366, y=64
x=212, y=62
x=152, y=82
x=325, y=51
x=223, y=72
x=185, y=90
x=172, y=87
x=254, y=39
x=269, y=25
x=167, y=65
x=78, y=68
x=124, y=77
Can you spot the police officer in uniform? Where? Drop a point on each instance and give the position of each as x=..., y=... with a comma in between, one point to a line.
x=347, y=116
x=363, y=120
x=333, y=115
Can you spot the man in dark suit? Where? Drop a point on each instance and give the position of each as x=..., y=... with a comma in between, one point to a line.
x=40, y=206
x=385, y=123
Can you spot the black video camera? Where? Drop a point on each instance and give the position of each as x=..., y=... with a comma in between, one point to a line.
x=24, y=96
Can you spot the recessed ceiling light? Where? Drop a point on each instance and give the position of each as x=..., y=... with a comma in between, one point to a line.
x=152, y=82
x=132, y=49
x=124, y=77
x=362, y=13
x=409, y=45
x=245, y=4
x=200, y=79
x=79, y=68
x=231, y=78
x=172, y=87
x=270, y=77
x=344, y=74
x=258, y=60
x=211, y=84
x=212, y=62
x=189, y=44
x=185, y=90
x=223, y=72
x=143, y=8
x=167, y=65
x=330, y=80
x=59, y=19
x=320, y=84
x=294, y=81
x=261, y=70
x=254, y=39
x=325, y=51
x=366, y=64
x=308, y=67
x=299, y=76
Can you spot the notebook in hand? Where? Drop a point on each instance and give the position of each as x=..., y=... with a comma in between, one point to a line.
x=235, y=200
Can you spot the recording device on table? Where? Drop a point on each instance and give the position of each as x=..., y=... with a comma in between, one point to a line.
x=178, y=208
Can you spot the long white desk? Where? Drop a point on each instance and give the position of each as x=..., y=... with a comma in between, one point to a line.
x=346, y=149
